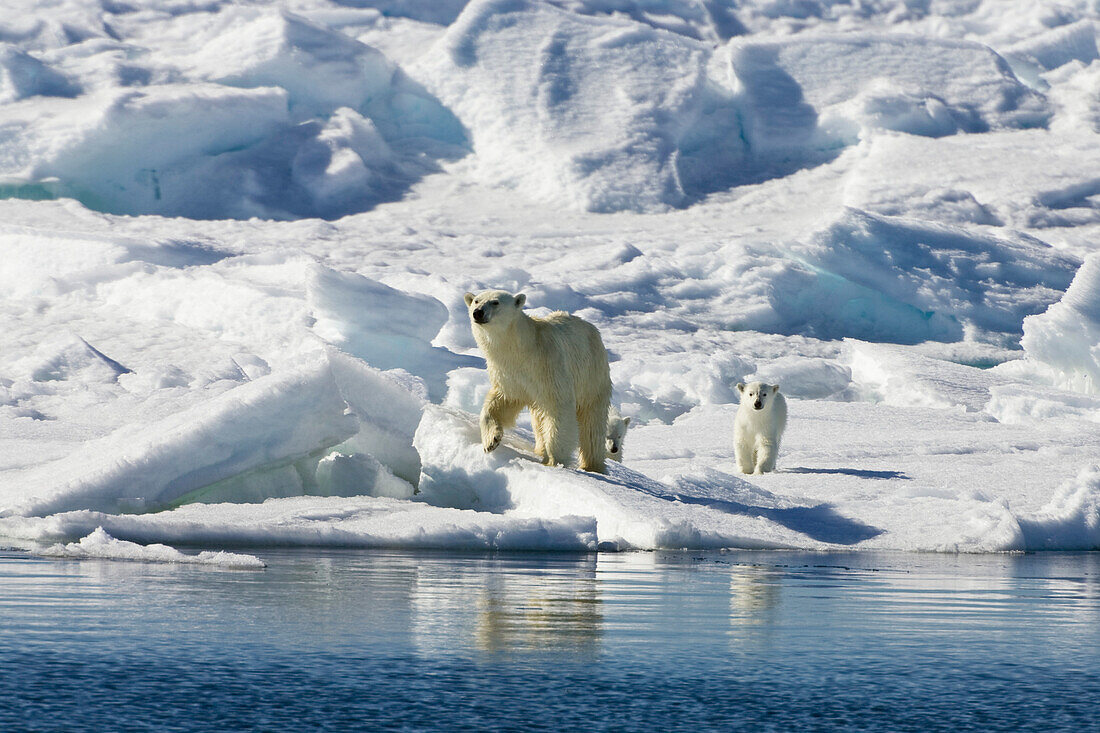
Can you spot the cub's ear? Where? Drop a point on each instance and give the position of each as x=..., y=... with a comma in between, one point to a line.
x=520, y=300
x=626, y=422
x=741, y=387
x=469, y=298
x=775, y=389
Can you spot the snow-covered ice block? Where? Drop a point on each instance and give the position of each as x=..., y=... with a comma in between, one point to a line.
x=385, y=327
x=631, y=511
x=1065, y=340
x=386, y=407
x=822, y=91
x=320, y=69
x=324, y=126
x=603, y=114
x=243, y=443
x=359, y=474
x=122, y=131
x=887, y=278
x=315, y=521
x=101, y=546
x=130, y=150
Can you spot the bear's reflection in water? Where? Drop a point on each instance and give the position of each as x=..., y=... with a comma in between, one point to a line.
x=550, y=614
x=754, y=594
x=509, y=604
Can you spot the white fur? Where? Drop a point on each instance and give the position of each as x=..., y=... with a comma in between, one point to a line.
x=756, y=432
x=616, y=432
x=556, y=366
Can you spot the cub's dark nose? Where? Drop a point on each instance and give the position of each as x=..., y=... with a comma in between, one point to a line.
x=479, y=315
x=757, y=404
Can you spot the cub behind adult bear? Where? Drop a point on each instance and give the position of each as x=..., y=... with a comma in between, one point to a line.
x=758, y=427
x=556, y=366
x=616, y=433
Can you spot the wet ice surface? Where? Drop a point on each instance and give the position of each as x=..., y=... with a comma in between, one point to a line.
x=380, y=640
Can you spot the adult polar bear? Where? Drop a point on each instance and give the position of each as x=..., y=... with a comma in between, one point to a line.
x=556, y=366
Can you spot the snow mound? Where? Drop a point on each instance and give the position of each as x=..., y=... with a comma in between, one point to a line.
x=664, y=386
x=312, y=521
x=102, y=546
x=40, y=262
x=605, y=114
x=22, y=76
x=894, y=376
x=631, y=511
x=1065, y=340
x=68, y=357
x=1070, y=521
x=805, y=377
x=1058, y=46
x=830, y=90
x=320, y=69
x=1023, y=403
x=900, y=280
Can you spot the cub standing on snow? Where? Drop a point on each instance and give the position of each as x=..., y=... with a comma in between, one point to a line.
x=759, y=424
x=556, y=366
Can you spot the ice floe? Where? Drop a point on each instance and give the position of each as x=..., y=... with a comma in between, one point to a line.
x=236, y=238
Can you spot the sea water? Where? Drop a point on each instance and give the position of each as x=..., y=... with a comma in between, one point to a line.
x=370, y=640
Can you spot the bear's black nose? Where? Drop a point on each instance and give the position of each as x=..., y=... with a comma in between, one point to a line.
x=479, y=315
x=758, y=405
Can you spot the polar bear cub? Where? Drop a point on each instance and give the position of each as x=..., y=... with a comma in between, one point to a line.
x=616, y=432
x=761, y=418
x=556, y=366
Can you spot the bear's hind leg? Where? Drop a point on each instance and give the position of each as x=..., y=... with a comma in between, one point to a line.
x=498, y=412
x=593, y=439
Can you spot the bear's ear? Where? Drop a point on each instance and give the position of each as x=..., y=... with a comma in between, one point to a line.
x=469, y=298
x=626, y=422
x=741, y=387
x=520, y=300
x=775, y=389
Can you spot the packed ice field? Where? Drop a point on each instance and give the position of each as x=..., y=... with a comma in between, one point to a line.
x=235, y=239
